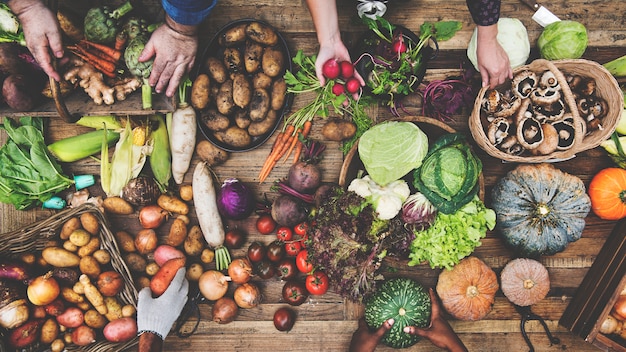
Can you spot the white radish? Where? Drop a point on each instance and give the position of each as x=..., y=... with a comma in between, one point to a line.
x=182, y=132
x=209, y=219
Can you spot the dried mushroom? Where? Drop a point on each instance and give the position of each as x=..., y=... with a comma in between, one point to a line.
x=524, y=83
x=592, y=109
x=498, y=130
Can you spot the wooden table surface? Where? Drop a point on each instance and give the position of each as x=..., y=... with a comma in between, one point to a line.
x=326, y=323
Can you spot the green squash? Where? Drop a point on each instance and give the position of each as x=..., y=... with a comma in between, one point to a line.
x=404, y=300
x=539, y=209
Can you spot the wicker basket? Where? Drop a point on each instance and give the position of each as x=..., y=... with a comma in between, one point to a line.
x=34, y=237
x=606, y=88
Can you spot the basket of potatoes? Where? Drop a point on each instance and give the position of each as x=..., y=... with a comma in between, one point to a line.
x=549, y=111
x=64, y=286
x=239, y=92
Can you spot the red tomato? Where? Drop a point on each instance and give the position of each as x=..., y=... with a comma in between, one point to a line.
x=317, y=283
x=301, y=229
x=303, y=263
x=284, y=233
x=294, y=292
x=265, y=224
x=256, y=251
x=293, y=248
x=286, y=269
x=284, y=318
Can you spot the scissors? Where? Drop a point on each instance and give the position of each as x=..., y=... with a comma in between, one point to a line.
x=527, y=315
x=191, y=310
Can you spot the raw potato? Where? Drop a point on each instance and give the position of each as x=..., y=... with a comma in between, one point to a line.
x=135, y=262
x=69, y=226
x=117, y=205
x=261, y=80
x=235, y=137
x=233, y=36
x=68, y=245
x=95, y=320
x=90, y=223
x=102, y=256
x=186, y=192
x=200, y=89
x=89, y=266
x=242, y=120
x=233, y=60
x=259, y=105
x=172, y=204
x=49, y=331
x=253, y=54
x=272, y=62
x=60, y=257
x=80, y=237
x=125, y=241
x=210, y=153
x=71, y=296
x=261, y=33
x=207, y=256
x=194, y=243
x=114, y=308
x=224, y=100
x=262, y=127
x=128, y=311
x=279, y=89
x=216, y=69
x=177, y=234
x=90, y=248
x=242, y=91
x=194, y=271
x=338, y=129
x=213, y=120
x=152, y=269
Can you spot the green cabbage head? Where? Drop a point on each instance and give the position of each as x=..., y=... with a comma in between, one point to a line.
x=563, y=40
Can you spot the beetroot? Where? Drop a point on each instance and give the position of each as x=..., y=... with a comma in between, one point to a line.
x=288, y=210
x=304, y=177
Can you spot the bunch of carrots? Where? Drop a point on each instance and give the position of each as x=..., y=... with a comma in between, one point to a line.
x=289, y=140
x=103, y=57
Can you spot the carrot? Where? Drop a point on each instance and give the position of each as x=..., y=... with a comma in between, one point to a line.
x=95, y=53
x=107, y=68
x=278, y=150
x=306, y=129
x=120, y=41
x=292, y=143
x=113, y=53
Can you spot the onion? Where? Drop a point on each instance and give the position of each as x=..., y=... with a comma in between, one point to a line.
x=247, y=296
x=610, y=325
x=619, y=309
x=152, y=216
x=213, y=284
x=235, y=200
x=240, y=270
x=146, y=241
x=224, y=310
x=43, y=289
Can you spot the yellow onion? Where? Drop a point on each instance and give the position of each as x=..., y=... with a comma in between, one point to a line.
x=43, y=289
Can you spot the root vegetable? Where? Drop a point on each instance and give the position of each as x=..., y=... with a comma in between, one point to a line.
x=194, y=244
x=152, y=216
x=93, y=295
x=59, y=257
x=240, y=270
x=165, y=252
x=224, y=310
x=83, y=335
x=43, y=290
x=177, y=233
x=288, y=210
x=182, y=133
x=146, y=241
x=120, y=330
x=304, y=177
x=72, y=317
x=172, y=204
x=210, y=153
x=213, y=285
x=110, y=283
x=162, y=279
x=247, y=296
x=49, y=331
x=117, y=205
x=25, y=334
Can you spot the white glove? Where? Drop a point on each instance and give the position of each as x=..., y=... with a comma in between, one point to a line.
x=157, y=315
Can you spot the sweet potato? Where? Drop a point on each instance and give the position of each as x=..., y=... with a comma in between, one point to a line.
x=210, y=153
x=161, y=281
x=172, y=204
x=200, y=91
x=272, y=62
x=120, y=330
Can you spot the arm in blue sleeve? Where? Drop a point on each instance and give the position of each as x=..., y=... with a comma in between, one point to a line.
x=190, y=12
x=484, y=12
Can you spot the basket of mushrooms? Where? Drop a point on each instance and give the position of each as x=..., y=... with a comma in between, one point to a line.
x=549, y=111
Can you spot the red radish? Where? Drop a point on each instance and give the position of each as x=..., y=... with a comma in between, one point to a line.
x=347, y=69
x=331, y=69
x=399, y=46
x=353, y=85
x=338, y=89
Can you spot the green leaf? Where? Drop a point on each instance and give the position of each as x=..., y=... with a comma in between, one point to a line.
x=442, y=30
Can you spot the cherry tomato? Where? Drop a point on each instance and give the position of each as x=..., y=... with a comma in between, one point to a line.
x=265, y=224
x=256, y=251
x=265, y=269
x=294, y=292
x=301, y=229
x=286, y=269
x=303, y=263
x=292, y=248
x=284, y=233
x=284, y=318
x=275, y=251
x=235, y=238
x=317, y=283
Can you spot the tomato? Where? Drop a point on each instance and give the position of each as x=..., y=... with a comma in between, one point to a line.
x=235, y=238
x=256, y=251
x=287, y=269
x=303, y=263
x=317, y=283
x=284, y=233
x=295, y=293
x=293, y=248
x=301, y=229
x=275, y=251
x=265, y=224
x=284, y=318
x=265, y=269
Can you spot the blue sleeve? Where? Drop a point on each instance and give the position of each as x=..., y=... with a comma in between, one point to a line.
x=190, y=12
x=484, y=12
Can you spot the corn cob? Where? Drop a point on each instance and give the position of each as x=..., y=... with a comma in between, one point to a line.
x=617, y=67
x=81, y=146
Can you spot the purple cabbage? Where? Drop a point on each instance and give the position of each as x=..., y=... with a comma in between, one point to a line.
x=235, y=200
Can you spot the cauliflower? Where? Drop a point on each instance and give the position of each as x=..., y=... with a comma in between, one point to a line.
x=386, y=200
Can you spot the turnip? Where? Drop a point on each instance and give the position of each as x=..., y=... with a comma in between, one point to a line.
x=288, y=210
x=182, y=134
x=331, y=69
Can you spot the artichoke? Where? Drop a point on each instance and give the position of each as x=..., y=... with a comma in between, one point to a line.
x=140, y=69
x=103, y=23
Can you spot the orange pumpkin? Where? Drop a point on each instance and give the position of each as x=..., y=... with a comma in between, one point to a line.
x=607, y=192
x=468, y=290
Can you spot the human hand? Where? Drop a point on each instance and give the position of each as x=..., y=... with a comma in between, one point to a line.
x=493, y=61
x=365, y=340
x=439, y=332
x=41, y=31
x=174, y=54
x=336, y=51
x=159, y=314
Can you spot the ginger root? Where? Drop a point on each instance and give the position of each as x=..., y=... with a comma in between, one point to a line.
x=125, y=86
x=92, y=81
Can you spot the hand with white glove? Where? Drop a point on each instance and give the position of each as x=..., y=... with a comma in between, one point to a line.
x=157, y=315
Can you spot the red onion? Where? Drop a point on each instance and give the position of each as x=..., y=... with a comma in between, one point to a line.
x=235, y=200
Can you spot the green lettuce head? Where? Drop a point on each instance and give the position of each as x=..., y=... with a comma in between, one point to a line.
x=563, y=40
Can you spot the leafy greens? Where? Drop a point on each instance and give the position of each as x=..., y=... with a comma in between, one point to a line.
x=29, y=175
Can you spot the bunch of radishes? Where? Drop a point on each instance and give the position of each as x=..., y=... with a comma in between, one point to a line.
x=343, y=74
